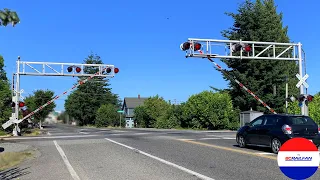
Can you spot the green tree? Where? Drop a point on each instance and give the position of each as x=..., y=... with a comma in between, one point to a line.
x=260, y=21
x=314, y=108
x=147, y=114
x=107, y=116
x=141, y=117
x=39, y=98
x=173, y=118
x=83, y=103
x=5, y=94
x=211, y=111
x=7, y=16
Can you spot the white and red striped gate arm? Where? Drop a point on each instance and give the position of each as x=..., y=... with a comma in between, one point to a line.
x=242, y=86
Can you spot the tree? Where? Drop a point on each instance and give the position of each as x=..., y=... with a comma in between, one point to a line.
x=141, y=117
x=172, y=118
x=7, y=16
x=259, y=21
x=211, y=111
x=148, y=113
x=107, y=116
x=5, y=94
x=83, y=103
x=39, y=98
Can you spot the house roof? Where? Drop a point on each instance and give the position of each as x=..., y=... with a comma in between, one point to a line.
x=133, y=102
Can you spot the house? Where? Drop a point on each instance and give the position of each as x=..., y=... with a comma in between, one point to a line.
x=128, y=106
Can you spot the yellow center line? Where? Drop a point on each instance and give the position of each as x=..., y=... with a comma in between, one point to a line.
x=229, y=149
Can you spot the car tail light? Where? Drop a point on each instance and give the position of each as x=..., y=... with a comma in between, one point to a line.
x=286, y=129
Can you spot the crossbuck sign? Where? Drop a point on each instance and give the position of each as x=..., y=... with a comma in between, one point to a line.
x=302, y=81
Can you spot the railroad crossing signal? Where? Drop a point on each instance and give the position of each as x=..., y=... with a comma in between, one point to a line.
x=302, y=81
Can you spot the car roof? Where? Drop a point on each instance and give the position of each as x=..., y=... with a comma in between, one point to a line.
x=286, y=115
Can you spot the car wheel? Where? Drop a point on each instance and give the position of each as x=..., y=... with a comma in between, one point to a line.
x=241, y=141
x=275, y=145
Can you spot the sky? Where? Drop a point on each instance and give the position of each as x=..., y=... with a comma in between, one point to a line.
x=141, y=38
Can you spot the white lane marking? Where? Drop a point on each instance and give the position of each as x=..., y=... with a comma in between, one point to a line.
x=208, y=138
x=66, y=162
x=186, y=139
x=164, y=161
x=49, y=137
x=49, y=133
x=84, y=133
x=228, y=138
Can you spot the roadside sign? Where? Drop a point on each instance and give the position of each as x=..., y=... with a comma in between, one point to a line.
x=120, y=111
x=298, y=158
x=302, y=81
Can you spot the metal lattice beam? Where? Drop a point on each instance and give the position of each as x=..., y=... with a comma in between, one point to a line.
x=60, y=69
x=259, y=50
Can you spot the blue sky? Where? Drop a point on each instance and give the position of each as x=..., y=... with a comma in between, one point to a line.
x=137, y=37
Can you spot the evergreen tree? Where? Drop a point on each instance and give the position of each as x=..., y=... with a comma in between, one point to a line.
x=5, y=94
x=259, y=21
x=84, y=102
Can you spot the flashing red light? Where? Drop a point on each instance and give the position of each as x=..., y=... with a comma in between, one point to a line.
x=108, y=70
x=69, y=69
x=247, y=48
x=185, y=46
x=78, y=69
x=309, y=98
x=197, y=46
x=116, y=70
x=21, y=104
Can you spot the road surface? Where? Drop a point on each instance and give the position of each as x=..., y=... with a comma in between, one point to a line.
x=74, y=153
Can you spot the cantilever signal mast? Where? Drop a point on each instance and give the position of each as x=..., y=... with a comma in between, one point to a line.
x=207, y=48
x=52, y=69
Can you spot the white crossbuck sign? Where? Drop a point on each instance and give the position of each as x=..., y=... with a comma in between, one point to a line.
x=302, y=81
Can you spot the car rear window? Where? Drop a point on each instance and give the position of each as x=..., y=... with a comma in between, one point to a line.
x=300, y=120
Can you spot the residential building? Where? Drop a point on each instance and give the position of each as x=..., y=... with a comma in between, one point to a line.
x=128, y=106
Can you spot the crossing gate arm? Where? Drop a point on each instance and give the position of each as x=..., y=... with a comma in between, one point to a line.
x=241, y=85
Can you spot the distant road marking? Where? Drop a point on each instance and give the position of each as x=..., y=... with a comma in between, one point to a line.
x=49, y=133
x=209, y=138
x=229, y=149
x=84, y=133
x=66, y=162
x=48, y=137
x=266, y=153
x=228, y=138
x=163, y=161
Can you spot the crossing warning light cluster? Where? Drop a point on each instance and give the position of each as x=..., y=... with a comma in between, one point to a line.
x=70, y=69
x=306, y=98
x=187, y=45
x=21, y=104
x=196, y=46
x=236, y=47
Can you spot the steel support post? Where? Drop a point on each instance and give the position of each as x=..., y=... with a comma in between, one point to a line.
x=303, y=107
x=16, y=130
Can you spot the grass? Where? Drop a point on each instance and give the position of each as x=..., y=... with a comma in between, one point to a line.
x=11, y=159
x=32, y=132
x=3, y=133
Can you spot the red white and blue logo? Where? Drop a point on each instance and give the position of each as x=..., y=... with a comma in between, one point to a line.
x=298, y=158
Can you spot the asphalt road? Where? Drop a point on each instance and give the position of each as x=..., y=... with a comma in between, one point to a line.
x=72, y=153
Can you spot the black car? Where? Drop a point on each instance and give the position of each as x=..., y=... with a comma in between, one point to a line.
x=275, y=129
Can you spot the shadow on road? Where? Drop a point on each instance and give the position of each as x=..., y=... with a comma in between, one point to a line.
x=1, y=149
x=263, y=149
x=13, y=173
